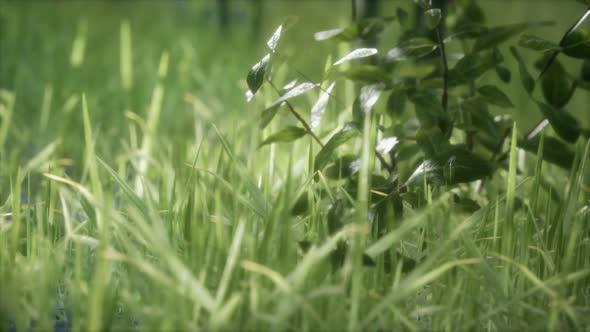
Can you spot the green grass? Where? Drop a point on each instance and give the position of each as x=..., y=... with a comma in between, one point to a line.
x=133, y=196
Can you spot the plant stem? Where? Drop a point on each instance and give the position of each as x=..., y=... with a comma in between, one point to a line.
x=298, y=116
x=445, y=69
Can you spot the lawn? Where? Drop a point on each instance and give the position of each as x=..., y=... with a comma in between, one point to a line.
x=137, y=191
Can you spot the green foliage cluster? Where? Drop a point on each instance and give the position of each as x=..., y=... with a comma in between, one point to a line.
x=452, y=136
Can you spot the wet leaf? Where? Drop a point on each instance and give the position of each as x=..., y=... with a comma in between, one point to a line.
x=554, y=151
x=323, y=157
x=425, y=4
x=456, y=165
x=432, y=18
x=342, y=167
x=537, y=43
x=366, y=74
x=317, y=111
x=494, y=95
x=427, y=107
x=256, y=75
x=557, y=87
x=274, y=40
x=525, y=77
x=411, y=49
x=472, y=66
x=287, y=134
x=385, y=145
x=357, y=54
x=577, y=44
x=432, y=141
x=497, y=35
x=564, y=124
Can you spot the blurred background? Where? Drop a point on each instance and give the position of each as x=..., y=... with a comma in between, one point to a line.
x=52, y=51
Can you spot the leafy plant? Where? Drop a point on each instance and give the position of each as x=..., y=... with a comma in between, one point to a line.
x=454, y=137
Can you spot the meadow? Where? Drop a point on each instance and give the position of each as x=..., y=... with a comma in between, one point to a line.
x=138, y=190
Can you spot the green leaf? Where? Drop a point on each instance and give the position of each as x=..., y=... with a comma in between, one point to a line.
x=564, y=124
x=402, y=16
x=537, y=43
x=411, y=49
x=317, y=111
x=585, y=75
x=427, y=107
x=503, y=73
x=287, y=134
x=432, y=18
x=343, y=136
x=274, y=39
x=577, y=44
x=465, y=205
x=269, y=113
x=497, y=35
x=256, y=75
x=471, y=15
x=357, y=54
x=396, y=102
x=342, y=167
x=363, y=29
x=432, y=141
x=557, y=87
x=425, y=4
x=266, y=116
x=554, y=150
x=525, y=77
x=472, y=66
x=364, y=103
x=456, y=165
x=366, y=74
x=494, y=95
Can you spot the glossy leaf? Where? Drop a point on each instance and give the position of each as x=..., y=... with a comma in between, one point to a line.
x=357, y=54
x=256, y=75
x=363, y=29
x=554, y=150
x=366, y=74
x=425, y=4
x=385, y=145
x=343, y=136
x=564, y=124
x=266, y=116
x=537, y=43
x=342, y=167
x=427, y=107
x=328, y=34
x=296, y=91
x=525, y=77
x=432, y=141
x=456, y=165
x=577, y=44
x=274, y=40
x=411, y=49
x=432, y=18
x=472, y=66
x=497, y=35
x=557, y=87
x=317, y=111
x=494, y=95
x=364, y=103
x=287, y=134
